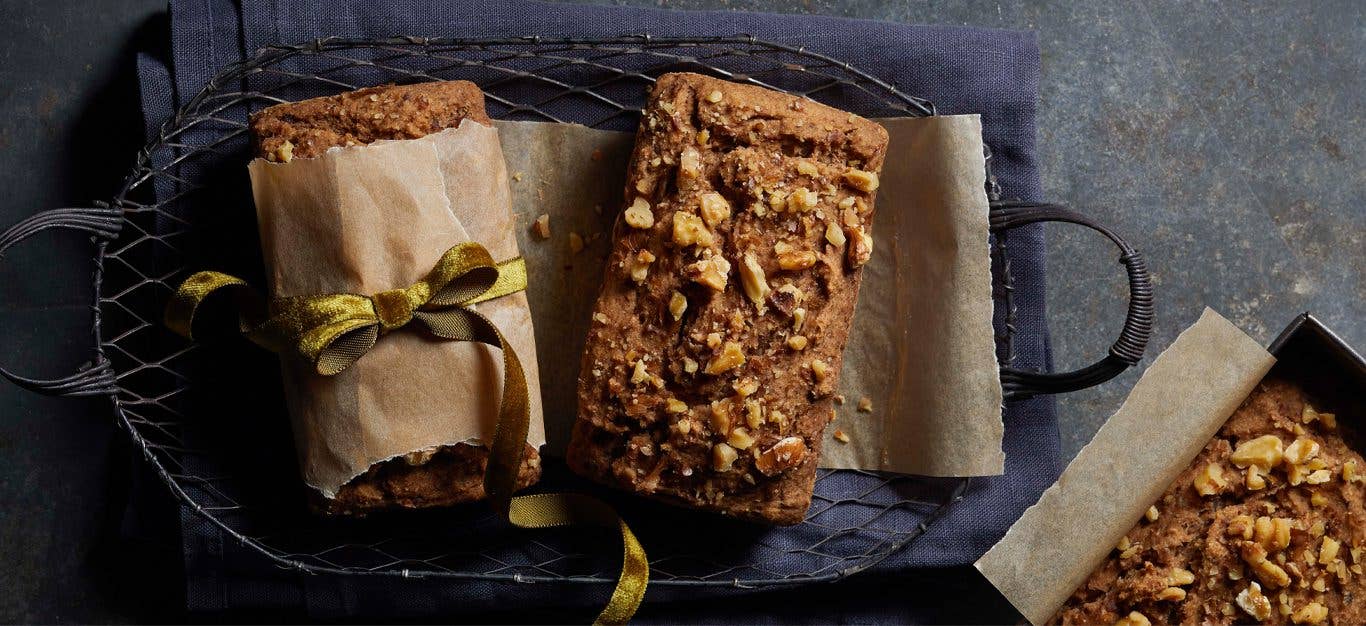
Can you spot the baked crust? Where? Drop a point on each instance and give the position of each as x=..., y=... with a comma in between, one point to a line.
x=718, y=334
x=1216, y=536
x=311, y=127
x=306, y=129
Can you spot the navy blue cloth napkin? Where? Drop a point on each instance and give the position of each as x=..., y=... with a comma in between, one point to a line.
x=962, y=70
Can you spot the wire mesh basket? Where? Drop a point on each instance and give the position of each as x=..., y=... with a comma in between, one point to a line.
x=212, y=423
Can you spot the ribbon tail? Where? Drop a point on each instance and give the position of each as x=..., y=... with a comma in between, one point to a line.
x=505, y=460
x=514, y=410
x=509, y=435
x=564, y=509
x=184, y=303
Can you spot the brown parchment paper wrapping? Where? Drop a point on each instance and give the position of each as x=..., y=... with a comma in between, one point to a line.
x=1175, y=408
x=921, y=346
x=370, y=218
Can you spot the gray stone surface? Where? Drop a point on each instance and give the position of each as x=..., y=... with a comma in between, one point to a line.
x=1224, y=140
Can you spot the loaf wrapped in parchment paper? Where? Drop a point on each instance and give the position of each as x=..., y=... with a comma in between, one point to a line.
x=362, y=193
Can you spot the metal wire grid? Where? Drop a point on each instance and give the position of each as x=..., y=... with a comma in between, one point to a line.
x=193, y=411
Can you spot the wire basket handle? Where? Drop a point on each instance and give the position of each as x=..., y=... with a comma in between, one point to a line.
x=103, y=223
x=1126, y=351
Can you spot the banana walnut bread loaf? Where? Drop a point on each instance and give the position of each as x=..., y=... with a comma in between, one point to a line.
x=719, y=331
x=1266, y=526
x=450, y=474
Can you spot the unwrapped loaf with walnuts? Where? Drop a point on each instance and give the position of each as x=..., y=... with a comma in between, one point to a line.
x=1266, y=526
x=717, y=338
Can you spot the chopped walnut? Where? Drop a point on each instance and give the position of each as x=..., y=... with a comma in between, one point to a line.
x=1151, y=514
x=730, y=358
x=865, y=405
x=714, y=97
x=797, y=342
x=745, y=387
x=542, y=226
x=1272, y=533
x=689, y=365
x=689, y=230
x=740, y=439
x=1312, y=613
x=807, y=168
x=1134, y=618
x=1128, y=549
x=820, y=369
x=677, y=305
x=1264, y=452
x=778, y=417
x=798, y=318
x=674, y=405
x=754, y=281
x=754, y=414
x=841, y=436
x=1318, y=477
x=720, y=416
x=1210, y=481
x=639, y=374
x=1180, y=577
x=863, y=181
x=689, y=165
x=796, y=259
x=638, y=215
x=640, y=269
x=1328, y=550
x=860, y=247
x=1267, y=572
x=713, y=340
x=802, y=199
x=1301, y=451
x=1253, y=602
x=782, y=456
x=723, y=457
x=285, y=153
x=834, y=234
x=714, y=208
x=850, y=217
x=1296, y=474
x=711, y=272
x=1176, y=594
x=777, y=200
x=1309, y=415
x=1351, y=474
x=1256, y=478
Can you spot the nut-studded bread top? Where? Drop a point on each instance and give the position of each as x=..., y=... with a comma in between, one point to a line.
x=308, y=128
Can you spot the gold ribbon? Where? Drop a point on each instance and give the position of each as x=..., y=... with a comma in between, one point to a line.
x=333, y=331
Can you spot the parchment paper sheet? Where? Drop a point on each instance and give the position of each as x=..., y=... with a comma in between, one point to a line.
x=1173, y=411
x=921, y=346
x=371, y=218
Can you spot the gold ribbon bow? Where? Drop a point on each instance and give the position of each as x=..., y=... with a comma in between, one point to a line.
x=333, y=331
